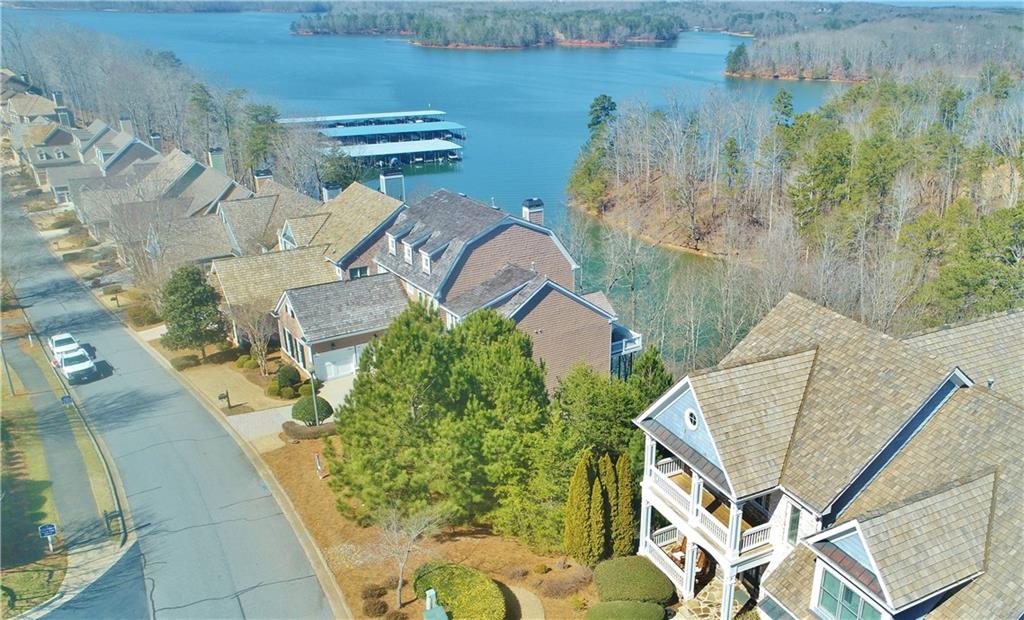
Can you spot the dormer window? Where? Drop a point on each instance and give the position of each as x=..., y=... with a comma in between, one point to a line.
x=407, y=251
x=838, y=600
x=391, y=244
x=425, y=262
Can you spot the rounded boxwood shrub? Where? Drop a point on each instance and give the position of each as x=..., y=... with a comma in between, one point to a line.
x=242, y=359
x=374, y=608
x=632, y=578
x=626, y=610
x=141, y=314
x=302, y=410
x=287, y=393
x=287, y=376
x=467, y=593
x=305, y=390
x=372, y=591
x=252, y=365
x=273, y=389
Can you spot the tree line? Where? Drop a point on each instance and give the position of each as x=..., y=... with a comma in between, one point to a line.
x=897, y=203
x=459, y=421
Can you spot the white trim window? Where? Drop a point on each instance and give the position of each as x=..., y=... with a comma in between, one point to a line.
x=838, y=601
x=793, y=524
x=425, y=263
x=391, y=244
x=407, y=252
x=358, y=272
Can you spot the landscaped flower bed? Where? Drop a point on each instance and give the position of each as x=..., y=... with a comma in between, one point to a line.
x=465, y=592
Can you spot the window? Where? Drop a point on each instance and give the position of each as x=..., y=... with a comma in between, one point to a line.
x=407, y=251
x=691, y=419
x=424, y=263
x=291, y=312
x=391, y=244
x=358, y=272
x=793, y=527
x=838, y=601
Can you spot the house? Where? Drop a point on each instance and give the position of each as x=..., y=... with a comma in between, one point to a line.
x=352, y=224
x=843, y=472
x=260, y=279
x=28, y=107
x=458, y=256
x=340, y=319
x=254, y=223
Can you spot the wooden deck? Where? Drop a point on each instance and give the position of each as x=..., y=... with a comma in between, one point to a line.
x=719, y=509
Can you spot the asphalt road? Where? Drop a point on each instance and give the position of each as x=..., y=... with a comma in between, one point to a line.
x=212, y=541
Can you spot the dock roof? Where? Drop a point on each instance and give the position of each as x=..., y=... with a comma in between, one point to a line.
x=399, y=148
x=390, y=129
x=354, y=118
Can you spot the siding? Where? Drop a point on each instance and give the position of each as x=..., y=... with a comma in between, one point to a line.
x=511, y=244
x=780, y=530
x=565, y=333
x=365, y=259
x=349, y=341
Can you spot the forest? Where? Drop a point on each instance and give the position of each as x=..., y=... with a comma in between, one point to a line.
x=898, y=203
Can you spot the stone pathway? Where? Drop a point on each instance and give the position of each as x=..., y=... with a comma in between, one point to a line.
x=707, y=605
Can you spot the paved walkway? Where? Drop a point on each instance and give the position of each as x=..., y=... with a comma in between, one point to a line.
x=259, y=423
x=530, y=607
x=80, y=520
x=153, y=333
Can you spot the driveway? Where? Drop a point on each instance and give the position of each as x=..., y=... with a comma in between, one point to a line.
x=212, y=540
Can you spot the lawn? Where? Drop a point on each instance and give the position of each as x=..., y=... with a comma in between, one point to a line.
x=98, y=481
x=30, y=574
x=341, y=541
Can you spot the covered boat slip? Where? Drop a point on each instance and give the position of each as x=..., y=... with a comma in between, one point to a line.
x=375, y=118
x=395, y=132
x=411, y=152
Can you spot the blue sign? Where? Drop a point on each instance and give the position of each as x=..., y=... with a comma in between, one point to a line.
x=47, y=529
x=66, y=400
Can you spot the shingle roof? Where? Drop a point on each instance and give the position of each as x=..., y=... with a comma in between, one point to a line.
x=353, y=214
x=508, y=279
x=865, y=386
x=31, y=104
x=990, y=348
x=446, y=220
x=791, y=581
x=599, y=299
x=288, y=197
x=256, y=221
x=975, y=432
x=335, y=309
x=261, y=278
x=192, y=240
x=36, y=134
x=304, y=228
x=207, y=188
x=928, y=544
x=751, y=411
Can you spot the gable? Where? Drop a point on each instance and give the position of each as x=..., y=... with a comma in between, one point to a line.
x=675, y=416
x=513, y=243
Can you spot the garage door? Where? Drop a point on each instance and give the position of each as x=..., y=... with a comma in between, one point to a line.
x=339, y=363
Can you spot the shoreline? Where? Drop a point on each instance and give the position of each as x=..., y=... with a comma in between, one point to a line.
x=753, y=75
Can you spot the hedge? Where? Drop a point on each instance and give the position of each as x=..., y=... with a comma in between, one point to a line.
x=626, y=610
x=632, y=578
x=465, y=592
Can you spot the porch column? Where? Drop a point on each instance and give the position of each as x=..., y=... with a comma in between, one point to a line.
x=696, y=492
x=649, y=453
x=728, y=588
x=735, y=529
x=690, y=570
x=645, y=525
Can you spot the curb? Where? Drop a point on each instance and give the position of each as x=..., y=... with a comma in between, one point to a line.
x=329, y=585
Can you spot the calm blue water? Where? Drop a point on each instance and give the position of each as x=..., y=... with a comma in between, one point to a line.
x=525, y=110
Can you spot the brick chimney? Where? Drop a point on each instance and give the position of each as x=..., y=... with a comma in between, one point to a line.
x=156, y=141
x=261, y=178
x=215, y=159
x=533, y=211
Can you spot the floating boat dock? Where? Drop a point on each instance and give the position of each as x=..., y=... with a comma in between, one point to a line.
x=389, y=138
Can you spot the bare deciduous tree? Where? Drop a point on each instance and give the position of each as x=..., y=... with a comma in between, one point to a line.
x=256, y=326
x=400, y=536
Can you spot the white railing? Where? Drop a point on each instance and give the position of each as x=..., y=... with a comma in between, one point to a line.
x=755, y=537
x=713, y=526
x=664, y=563
x=665, y=536
x=669, y=466
x=627, y=345
x=672, y=491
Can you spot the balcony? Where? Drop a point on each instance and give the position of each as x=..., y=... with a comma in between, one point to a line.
x=672, y=481
x=625, y=340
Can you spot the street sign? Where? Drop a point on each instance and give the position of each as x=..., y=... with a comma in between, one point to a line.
x=48, y=531
x=66, y=400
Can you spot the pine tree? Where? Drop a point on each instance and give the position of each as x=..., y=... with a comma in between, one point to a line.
x=190, y=311
x=578, y=509
x=650, y=377
x=595, y=551
x=623, y=525
x=609, y=486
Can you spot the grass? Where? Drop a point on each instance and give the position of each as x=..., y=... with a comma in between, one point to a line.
x=97, y=474
x=30, y=574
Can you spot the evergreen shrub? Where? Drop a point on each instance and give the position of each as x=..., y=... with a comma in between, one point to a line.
x=625, y=610
x=467, y=593
x=632, y=578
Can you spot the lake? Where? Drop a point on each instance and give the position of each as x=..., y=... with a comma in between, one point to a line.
x=526, y=110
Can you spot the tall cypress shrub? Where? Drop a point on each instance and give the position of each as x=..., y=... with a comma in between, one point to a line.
x=598, y=523
x=576, y=535
x=623, y=523
x=609, y=486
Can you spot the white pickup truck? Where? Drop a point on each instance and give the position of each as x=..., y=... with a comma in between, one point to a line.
x=76, y=366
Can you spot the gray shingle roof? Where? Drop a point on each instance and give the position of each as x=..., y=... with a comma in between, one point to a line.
x=990, y=348
x=192, y=240
x=864, y=387
x=449, y=220
x=336, y=309
x=791, y=581
x=509, y=279
x=751, y=411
